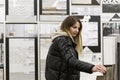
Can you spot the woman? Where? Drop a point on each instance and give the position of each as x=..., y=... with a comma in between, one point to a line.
x=62, y=60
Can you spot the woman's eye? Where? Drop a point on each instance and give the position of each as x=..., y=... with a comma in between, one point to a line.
x=74, y=27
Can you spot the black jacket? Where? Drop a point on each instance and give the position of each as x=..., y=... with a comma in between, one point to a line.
x=62, y=61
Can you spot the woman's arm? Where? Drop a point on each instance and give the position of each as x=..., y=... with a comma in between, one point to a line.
x=67, y=52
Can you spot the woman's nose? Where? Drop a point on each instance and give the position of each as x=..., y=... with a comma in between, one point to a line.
x=77, y=30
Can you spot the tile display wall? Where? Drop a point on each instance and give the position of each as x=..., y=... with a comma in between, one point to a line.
x=40, y=18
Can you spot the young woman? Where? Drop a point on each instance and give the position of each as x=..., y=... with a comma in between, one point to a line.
x=62, y=61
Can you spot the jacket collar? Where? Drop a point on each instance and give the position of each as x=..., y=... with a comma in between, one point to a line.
x=58, y=33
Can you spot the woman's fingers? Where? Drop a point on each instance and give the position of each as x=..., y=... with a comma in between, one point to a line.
x=99, y=68
x=102, y=68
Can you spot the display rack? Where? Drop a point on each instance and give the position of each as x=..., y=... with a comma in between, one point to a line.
x=22, y=58
x=2, y=51
x=17, y=12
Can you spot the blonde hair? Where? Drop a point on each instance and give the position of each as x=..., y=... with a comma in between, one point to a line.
x=65, y=26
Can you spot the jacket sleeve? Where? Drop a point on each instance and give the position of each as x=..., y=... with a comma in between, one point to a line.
x=67, y=52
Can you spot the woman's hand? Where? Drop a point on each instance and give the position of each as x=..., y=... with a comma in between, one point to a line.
x=99, y=68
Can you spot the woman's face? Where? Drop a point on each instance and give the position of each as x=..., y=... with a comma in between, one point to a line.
x=74, y=30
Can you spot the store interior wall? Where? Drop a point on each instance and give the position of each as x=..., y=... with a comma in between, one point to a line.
x=39, y=18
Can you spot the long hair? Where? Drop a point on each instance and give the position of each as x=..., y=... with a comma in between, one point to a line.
x=65, y=26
